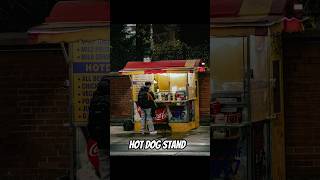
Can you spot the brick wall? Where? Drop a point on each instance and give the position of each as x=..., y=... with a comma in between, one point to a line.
x=121, y=101
x=302, y=105
x=33, y=142
x=204, y=94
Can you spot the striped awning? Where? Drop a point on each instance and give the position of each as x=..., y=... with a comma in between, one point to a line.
x=158, y=67
x=72, y=21
x=247, y=12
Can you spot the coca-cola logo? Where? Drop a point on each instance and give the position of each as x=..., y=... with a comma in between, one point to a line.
x=93, y=150
x=161, y=115
x=92, y=153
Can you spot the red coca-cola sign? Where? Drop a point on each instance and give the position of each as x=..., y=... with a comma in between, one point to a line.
x=92, y=151
x=161, y=114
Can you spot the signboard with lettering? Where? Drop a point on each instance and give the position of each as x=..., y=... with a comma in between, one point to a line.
x=90, y=61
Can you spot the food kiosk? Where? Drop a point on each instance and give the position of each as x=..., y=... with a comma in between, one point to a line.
x=175, y=86
x=246, y=90
x=85, y=43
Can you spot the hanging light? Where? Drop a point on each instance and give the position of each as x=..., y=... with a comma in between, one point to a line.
x=202, y=67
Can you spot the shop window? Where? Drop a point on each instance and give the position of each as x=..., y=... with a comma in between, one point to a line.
x=163, y=82
x=178, y=82
x=227, y=64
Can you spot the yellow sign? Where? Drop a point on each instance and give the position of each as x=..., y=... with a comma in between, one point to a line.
x=90, y=61
x=90, y=51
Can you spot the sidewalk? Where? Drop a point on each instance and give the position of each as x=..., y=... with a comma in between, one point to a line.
x=198, y=142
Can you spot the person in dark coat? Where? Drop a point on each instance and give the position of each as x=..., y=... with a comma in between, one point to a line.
x=146, y=103
x=98, y=125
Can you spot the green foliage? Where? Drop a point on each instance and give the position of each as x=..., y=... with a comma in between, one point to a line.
x=122, y=47
x=311, y=9
x=179, y=50
x=143, y=41
x=169, y=50
x=199, y=52
x=313, y=23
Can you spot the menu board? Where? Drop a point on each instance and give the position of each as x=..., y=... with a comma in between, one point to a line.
x=90, y=61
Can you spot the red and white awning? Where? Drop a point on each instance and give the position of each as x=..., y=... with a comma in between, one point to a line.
x=247, y=12
x=73, y=20
x=158, y=67
x=237, y=8
x=253, y=14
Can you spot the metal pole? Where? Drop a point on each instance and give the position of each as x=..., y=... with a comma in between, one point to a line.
x=151, y=38
x=247, y=79
x=269, y=157
x=74, y=132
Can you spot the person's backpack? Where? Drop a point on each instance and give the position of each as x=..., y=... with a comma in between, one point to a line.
x=143, y=98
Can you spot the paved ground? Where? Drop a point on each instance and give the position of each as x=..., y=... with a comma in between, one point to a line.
x=198, y=142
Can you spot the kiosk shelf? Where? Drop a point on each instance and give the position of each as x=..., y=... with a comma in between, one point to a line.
x=243, y=124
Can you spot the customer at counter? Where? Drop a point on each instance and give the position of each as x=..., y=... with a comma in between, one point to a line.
x=146, y=103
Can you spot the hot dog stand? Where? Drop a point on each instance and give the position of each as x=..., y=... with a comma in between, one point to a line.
x=246, y=90
x=85, y=43
x=175, y=86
